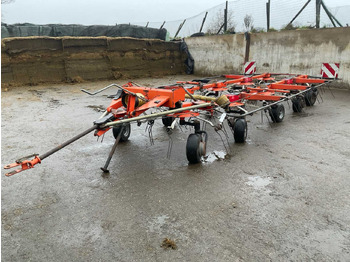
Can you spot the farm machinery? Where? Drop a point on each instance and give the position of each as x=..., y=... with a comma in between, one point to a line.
x=194, y=103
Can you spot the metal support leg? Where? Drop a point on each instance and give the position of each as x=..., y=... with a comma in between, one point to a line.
x=104, y=169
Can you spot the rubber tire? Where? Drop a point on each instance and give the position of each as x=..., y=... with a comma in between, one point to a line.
x=310, y=97
x=240, y=129
x=125, y=135
x=197, y=34
x=193, y=148
x=277, y=113
x=167, y=120
x=297, y=105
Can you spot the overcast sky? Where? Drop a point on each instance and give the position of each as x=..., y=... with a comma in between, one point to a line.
x=109, y=12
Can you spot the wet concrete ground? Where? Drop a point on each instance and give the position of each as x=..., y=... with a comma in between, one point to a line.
x=282, y=196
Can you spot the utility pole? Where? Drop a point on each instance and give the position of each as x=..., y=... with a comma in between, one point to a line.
x=318, y=11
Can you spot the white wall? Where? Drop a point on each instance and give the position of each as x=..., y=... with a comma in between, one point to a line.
x=297, y=51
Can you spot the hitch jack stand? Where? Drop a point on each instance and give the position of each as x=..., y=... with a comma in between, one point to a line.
x=104, y=169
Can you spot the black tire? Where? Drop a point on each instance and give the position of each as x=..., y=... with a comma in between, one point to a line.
x=277, y=113
x=167, y=120
x=126, y=132
x=240, y=129
x=197, y=34
x=297, y=104
x=193, y=148
x=311, y=97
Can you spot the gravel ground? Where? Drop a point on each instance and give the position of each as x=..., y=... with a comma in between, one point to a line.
x=282, y=196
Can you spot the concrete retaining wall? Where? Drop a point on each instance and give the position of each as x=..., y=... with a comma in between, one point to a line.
x=297, y=51
x=36, y=60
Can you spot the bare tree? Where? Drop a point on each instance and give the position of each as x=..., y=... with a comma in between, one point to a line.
x=3, y=2
x=218, y=20
x=7, y=1
x=248, y=22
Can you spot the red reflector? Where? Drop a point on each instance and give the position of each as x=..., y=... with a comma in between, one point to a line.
x=233, y=98
x=289, y=81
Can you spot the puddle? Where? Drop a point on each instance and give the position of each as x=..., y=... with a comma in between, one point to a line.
x=302, y=114
x=37, y=92
x=263, y=127
x=215, y=155
x=258, y=182
x=54, y=103
x=157, y=223
x=97, y=183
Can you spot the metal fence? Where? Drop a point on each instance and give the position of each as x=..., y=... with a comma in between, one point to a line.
x=281, y=13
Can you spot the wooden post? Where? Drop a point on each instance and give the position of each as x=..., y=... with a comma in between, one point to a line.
x=318, y=11
x=162, y=25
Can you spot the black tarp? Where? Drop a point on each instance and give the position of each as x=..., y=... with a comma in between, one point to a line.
x=58, y=30
x=189, y=62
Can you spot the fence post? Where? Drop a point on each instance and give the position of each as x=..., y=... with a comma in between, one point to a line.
x=301, y=10
x=268, y=15
x=178, y=30
x=330, y=14
x=200, y=31
x=247, y=46
x=318, y=11
x=225, y=17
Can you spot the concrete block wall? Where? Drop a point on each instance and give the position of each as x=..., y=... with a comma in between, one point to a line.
x=294, y=51
x=34, y=60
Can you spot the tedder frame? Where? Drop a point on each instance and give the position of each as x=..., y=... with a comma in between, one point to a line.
x=189, y=103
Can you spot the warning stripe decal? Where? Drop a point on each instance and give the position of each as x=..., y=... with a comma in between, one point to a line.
x=249, y=68
x=330, y=70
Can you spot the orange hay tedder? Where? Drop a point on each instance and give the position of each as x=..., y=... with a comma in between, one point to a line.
x=189, y=103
